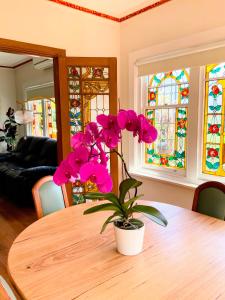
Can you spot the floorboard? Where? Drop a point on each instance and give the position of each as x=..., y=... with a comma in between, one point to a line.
x=13, y=220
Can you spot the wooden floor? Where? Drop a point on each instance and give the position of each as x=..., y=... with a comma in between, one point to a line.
x=13, y=220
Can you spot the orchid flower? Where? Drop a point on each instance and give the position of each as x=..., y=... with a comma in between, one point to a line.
x=97, y=174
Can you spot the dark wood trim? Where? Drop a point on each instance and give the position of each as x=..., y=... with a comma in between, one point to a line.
x=89, y=61
x=22, y=63
x=6, y=67
x=62, y=112
x=18, y=65
x=214, y=184
x=113, y=109
x=28, y=48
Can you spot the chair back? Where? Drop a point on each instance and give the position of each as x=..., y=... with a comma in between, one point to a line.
x=209, y=199
x=6, y=292
x=48, y=197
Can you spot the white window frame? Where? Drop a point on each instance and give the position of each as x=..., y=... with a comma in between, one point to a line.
x=193, y=175
x=28, y=128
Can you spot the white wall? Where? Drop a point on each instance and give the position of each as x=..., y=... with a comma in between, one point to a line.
x=7, y=96
x=7, y=92
x=46, y=23
x=179, y=23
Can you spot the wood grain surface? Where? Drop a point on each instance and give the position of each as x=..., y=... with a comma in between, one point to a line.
x=63, y=257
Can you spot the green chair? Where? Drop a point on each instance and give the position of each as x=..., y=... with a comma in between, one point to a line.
x=49, y=197
x=6, y=292
x=209, y=199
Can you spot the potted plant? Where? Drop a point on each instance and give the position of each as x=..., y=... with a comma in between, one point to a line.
x=9, y=130
x=88, y=162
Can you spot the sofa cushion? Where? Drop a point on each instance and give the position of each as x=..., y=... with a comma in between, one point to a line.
x=23, y=144
x=48, y=154
x=36, y=145
x=34, y=158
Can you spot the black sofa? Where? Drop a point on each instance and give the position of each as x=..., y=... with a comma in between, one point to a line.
x=33, y=158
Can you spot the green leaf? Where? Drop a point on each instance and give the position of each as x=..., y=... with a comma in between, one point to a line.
x=213, y=71
x=101, y=207
x=218, y=107
x=136, y=222
x=216, y=165
x=152, y=213
x=131, y=201
x=182, y=111
x=77, y=115
x=109, y=220
x=150, y=160
x=180, y=165
x=180, y=76
x=109, y=196
x=179, y=134
x=126, y=185
x=156, y=79
x=150, y=151
x=209, y=164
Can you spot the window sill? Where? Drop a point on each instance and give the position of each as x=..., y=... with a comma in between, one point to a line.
x=178, y=181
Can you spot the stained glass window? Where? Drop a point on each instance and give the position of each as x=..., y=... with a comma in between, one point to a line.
x=44, y=123
x=167, y=110
x=214, y=131
x=89, y=96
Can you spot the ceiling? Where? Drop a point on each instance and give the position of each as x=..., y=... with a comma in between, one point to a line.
x=116, y=8
x=12, y=60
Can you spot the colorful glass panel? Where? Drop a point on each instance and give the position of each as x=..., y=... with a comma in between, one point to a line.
x=88, y=89
x=44, y=123
x=214, y=132
x=168, y=97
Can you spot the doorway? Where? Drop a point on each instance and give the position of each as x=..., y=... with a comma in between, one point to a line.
x=64, y=73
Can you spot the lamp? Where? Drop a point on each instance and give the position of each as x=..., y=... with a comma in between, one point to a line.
x=24, y=116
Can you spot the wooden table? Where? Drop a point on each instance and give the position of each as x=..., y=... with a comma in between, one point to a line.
x=63, y=256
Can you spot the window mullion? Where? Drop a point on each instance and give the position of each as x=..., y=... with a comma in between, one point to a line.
x=192, y=136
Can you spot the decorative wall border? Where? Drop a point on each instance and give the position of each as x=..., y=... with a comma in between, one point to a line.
x=112, y=18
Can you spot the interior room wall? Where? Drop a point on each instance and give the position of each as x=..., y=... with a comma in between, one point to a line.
x=47, y=23
x=157, y=30
x=27, y=76
x=7, y=96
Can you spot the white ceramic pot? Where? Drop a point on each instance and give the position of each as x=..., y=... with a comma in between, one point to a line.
x=129, y=242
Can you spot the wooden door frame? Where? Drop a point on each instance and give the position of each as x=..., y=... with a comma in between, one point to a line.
x=58, y=55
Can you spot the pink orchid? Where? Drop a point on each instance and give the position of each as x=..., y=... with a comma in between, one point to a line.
x=92, y=130
x=97, y=174
x=102, y=154
x=128, y=119
x=109, y=122
x=64, y=173
x=77, y=158
x=79, y=139
x=147, y=133
x=111, y=133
